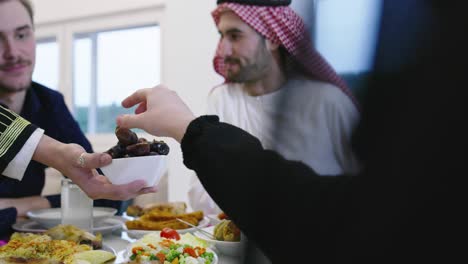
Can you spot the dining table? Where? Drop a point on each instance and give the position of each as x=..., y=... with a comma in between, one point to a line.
x=115, y=236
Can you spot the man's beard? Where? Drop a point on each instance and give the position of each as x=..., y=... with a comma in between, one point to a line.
x=253, y=71
x=246, y=73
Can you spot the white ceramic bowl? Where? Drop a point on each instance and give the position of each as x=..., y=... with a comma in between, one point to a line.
x=224, y=247
x=51, y=217
x=126, y=170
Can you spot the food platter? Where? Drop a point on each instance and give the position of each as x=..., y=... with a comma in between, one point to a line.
x=155, y=217
x=61, y=244
x=105, y=226
x=136, y=234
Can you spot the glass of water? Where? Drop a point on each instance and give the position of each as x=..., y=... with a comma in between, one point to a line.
x=76, y=206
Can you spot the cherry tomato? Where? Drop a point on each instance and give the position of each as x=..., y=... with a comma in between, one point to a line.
x=170, y=233
x=190, y=251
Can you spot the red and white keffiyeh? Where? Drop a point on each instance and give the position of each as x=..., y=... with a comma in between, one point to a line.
x=281, y=25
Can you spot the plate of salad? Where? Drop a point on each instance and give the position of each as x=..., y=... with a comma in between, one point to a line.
x=170, y=247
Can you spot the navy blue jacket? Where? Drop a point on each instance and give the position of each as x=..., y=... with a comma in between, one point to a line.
x=45, y=108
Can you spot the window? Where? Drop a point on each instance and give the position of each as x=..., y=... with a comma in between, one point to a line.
x=97, y=61
x=109, y=66
x=345, y=33
x=105, y=51
x=46, y=70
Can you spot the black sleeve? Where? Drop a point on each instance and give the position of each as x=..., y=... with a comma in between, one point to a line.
x=264, y=193
x=14, y=132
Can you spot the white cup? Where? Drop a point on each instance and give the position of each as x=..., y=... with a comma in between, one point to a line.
x=76, y=206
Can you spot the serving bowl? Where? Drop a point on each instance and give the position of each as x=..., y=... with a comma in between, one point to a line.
x=125, y=170
x=224, y=247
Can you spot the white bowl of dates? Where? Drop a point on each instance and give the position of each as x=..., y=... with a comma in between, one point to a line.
x=135, y=158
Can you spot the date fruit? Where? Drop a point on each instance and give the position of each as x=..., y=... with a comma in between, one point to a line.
x=130, y=145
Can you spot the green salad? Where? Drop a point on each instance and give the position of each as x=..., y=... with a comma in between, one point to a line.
x=156, y=249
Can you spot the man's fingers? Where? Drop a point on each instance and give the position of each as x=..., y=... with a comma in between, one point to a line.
x=98, y=189
x=148, y=190
x=130, y=121
x=136, y=98
x=94, y=160
x=141, y=108
x=135, y=186
x=132, y=189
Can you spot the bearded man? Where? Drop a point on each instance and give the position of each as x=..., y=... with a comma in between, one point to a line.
x=279, y=88
x=265, y=55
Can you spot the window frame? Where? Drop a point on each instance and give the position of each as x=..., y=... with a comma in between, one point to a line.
x=64, y=32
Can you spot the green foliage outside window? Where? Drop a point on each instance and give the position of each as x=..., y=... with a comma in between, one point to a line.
x=106, y=116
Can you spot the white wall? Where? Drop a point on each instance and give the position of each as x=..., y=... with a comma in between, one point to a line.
x=189, y=40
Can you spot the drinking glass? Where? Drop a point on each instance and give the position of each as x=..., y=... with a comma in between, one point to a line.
x=76, y=206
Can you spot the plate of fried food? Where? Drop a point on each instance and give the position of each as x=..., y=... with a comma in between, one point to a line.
x=155, y=217
x=62, y=244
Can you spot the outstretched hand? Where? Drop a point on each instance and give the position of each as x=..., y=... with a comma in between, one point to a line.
x=96, y=186
x=73, y=161
x=160, y=112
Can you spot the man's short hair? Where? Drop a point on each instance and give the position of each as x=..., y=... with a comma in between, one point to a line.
x=27, y=4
